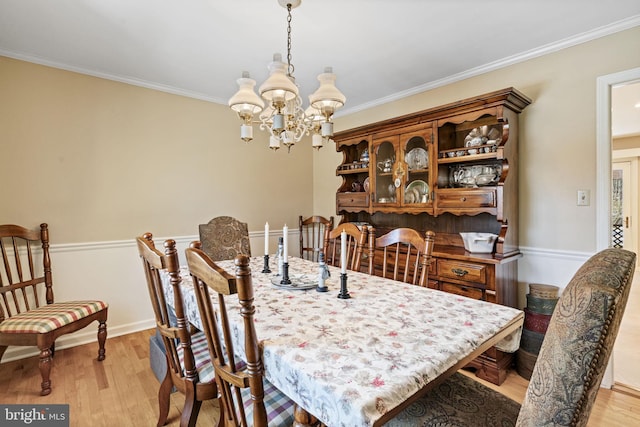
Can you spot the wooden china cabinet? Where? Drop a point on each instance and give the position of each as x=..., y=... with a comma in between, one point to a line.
x=449, y=169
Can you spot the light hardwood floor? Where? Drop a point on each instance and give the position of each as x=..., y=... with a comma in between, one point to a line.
x=122, y=390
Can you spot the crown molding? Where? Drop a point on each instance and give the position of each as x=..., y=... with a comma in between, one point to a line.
x=625, y=24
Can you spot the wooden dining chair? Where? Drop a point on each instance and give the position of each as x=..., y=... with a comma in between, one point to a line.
x=247, y=398
x=224, y=237
x=314, y=230
x=357, y=241
x=28, y=314
x=189, y=367
x=570, y=364
x=404, y=254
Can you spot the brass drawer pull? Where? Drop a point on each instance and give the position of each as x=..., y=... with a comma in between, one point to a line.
x=459, y=272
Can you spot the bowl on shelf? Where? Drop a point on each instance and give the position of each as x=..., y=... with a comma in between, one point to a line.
x=481, y=243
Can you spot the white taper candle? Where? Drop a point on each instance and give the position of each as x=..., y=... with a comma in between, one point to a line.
x=285, y=245
x=266, y=238
x=343, y=252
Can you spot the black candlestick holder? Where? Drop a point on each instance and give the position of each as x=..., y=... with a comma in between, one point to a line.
x=266, y=268
x=285, y=274
x=344, y=293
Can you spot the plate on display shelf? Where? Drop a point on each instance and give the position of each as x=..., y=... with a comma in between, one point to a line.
x=419, y=186
x=365, y=185
x=418, y=158
x=299, y=282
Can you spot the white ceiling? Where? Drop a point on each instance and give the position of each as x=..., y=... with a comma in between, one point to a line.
x=380, y=50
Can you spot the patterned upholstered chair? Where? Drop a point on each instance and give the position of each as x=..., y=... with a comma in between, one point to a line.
x=28, y=314
x=188, y=367
x=569, y=368
x=247, y=398
x=224, y=237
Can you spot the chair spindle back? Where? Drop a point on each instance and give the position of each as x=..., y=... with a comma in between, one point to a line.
x=232, y=375
x=25, y=272
x=406, y=255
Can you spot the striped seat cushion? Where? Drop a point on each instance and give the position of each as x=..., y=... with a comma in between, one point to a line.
x=50, y=317
x=201, y=356
x=278, y=405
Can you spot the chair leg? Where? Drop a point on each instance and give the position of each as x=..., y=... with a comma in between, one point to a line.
x=45, y=370
x=102, y=338
x=191, y=406
x=164, y=398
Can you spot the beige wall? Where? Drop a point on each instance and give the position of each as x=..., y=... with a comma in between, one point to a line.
x=557, y=135
x=100, y=160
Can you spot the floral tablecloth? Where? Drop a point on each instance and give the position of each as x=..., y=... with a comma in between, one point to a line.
x=349, y=361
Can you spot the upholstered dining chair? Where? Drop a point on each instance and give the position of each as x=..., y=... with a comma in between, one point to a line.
x=570, y=364
x=404, y=254
x=247, y=398
x=314, y=230
x=28, y=314
x=224, y=237
x=189, y=367
x=357, y=241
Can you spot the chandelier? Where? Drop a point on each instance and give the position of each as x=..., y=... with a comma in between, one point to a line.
x=284, y=116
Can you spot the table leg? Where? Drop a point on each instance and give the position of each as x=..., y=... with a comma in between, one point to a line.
x=304, y=419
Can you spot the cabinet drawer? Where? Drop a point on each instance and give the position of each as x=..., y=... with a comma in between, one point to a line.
x=465, y=271
x=354, y=199
x=469, y=291
x=471, y=198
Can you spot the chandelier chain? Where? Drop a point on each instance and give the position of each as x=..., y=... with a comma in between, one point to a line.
x=290, y=66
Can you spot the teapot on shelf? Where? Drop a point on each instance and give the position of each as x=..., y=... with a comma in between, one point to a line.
x=385, y=165
x=364, y=157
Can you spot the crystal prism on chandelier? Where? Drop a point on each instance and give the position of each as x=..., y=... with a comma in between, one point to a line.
x=284, y=116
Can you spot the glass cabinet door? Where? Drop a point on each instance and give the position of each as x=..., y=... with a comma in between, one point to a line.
x=417, y=183
x=385, y=158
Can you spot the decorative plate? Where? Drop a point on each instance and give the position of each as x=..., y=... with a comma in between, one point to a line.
x=418, y=158
x=418, y=186
x=365, y=185
x=299, y=282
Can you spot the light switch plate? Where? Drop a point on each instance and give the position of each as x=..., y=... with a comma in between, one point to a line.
x=584, y=197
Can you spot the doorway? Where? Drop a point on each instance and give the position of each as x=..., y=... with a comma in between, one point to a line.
x=604, y=226
x=626, y=360
x=624, y=204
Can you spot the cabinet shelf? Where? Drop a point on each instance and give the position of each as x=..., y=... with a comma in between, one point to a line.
x=352, y=171
x=467, y=158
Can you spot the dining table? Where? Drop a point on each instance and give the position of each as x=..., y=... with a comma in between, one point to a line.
x=359, y=361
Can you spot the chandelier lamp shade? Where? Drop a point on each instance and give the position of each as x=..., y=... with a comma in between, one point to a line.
x=278, y=109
